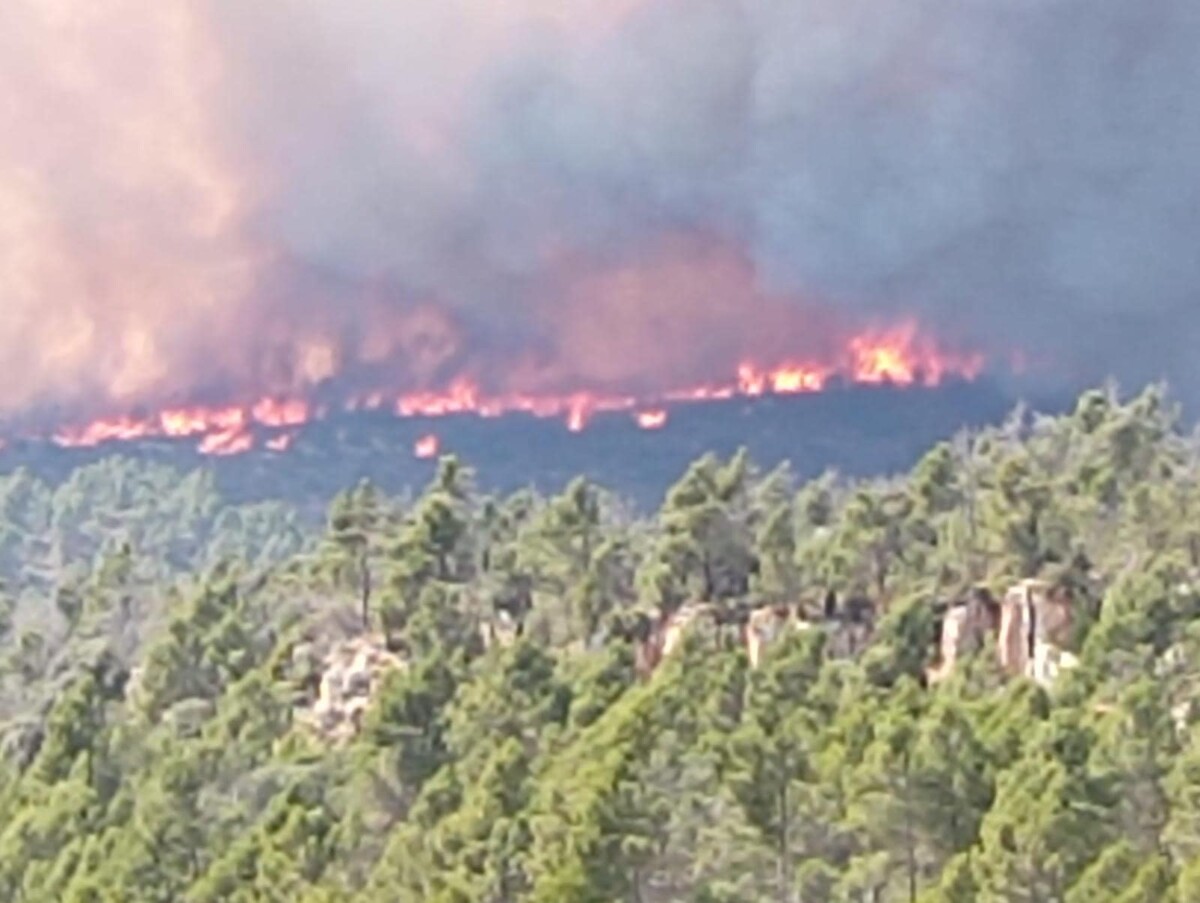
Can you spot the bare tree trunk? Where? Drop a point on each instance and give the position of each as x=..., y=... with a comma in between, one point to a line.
x=364, y=572
x=910, y=842
x=784, y=869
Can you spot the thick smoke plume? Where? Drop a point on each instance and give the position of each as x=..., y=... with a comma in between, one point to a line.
x=202, y=199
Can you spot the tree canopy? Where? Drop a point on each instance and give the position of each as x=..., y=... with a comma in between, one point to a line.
x=170, y=664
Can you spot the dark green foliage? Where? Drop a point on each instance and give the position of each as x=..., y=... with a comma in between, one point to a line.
x=158, y=649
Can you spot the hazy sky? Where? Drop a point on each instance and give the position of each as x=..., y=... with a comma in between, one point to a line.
x=203, y=197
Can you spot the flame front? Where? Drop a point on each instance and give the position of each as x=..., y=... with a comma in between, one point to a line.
x=152, y=276
x=900, y=356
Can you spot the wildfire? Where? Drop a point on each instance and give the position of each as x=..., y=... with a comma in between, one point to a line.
x=427, y=447
x=900, y=356
x=786, y=380
x=651, y=420
x=273, y=412
x=226, y=442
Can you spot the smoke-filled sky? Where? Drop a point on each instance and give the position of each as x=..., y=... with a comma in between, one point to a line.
x=214, y=197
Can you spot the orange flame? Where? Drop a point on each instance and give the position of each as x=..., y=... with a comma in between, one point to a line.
x=279, y=413
x=651, y=420
x=226, y=442
x=427, y=447
x=900, y=356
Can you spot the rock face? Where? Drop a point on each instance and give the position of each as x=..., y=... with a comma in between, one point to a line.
x=1036, y=626
x=964, y=628
x=502, y=630
x=763, y=628
x=350, y=674
x=661, y=636
x=1048, y=662
x=680, y=623
x=849, y=627
x=1013, y=645
x=133, y=687
x=766, y=625
x=1032, y=627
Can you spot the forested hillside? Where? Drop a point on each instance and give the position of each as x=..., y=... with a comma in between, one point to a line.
x=462, y=697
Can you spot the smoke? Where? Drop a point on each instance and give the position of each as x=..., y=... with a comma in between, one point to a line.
x=212, y=198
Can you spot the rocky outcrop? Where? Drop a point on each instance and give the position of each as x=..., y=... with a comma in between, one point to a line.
x=1049, y=661
x=347, y=678
x=1032, y=627
x=762, y=628
x=965, y=627
x=681, y=623
x=659, y=636
x=134, y=693
x=766, y=625
x=655, y=636
x=1035, y=629
x=502, y=630
x=1012, y=644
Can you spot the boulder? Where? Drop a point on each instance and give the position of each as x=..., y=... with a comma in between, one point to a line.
x=351, y=673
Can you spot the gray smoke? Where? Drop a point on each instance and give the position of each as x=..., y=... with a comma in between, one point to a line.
x=1019, y=174
x=1023, y=172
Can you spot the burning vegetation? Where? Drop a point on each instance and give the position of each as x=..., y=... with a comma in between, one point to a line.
x=901, y=357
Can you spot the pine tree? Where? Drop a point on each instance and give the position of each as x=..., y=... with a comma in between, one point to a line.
x=1043, y=830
